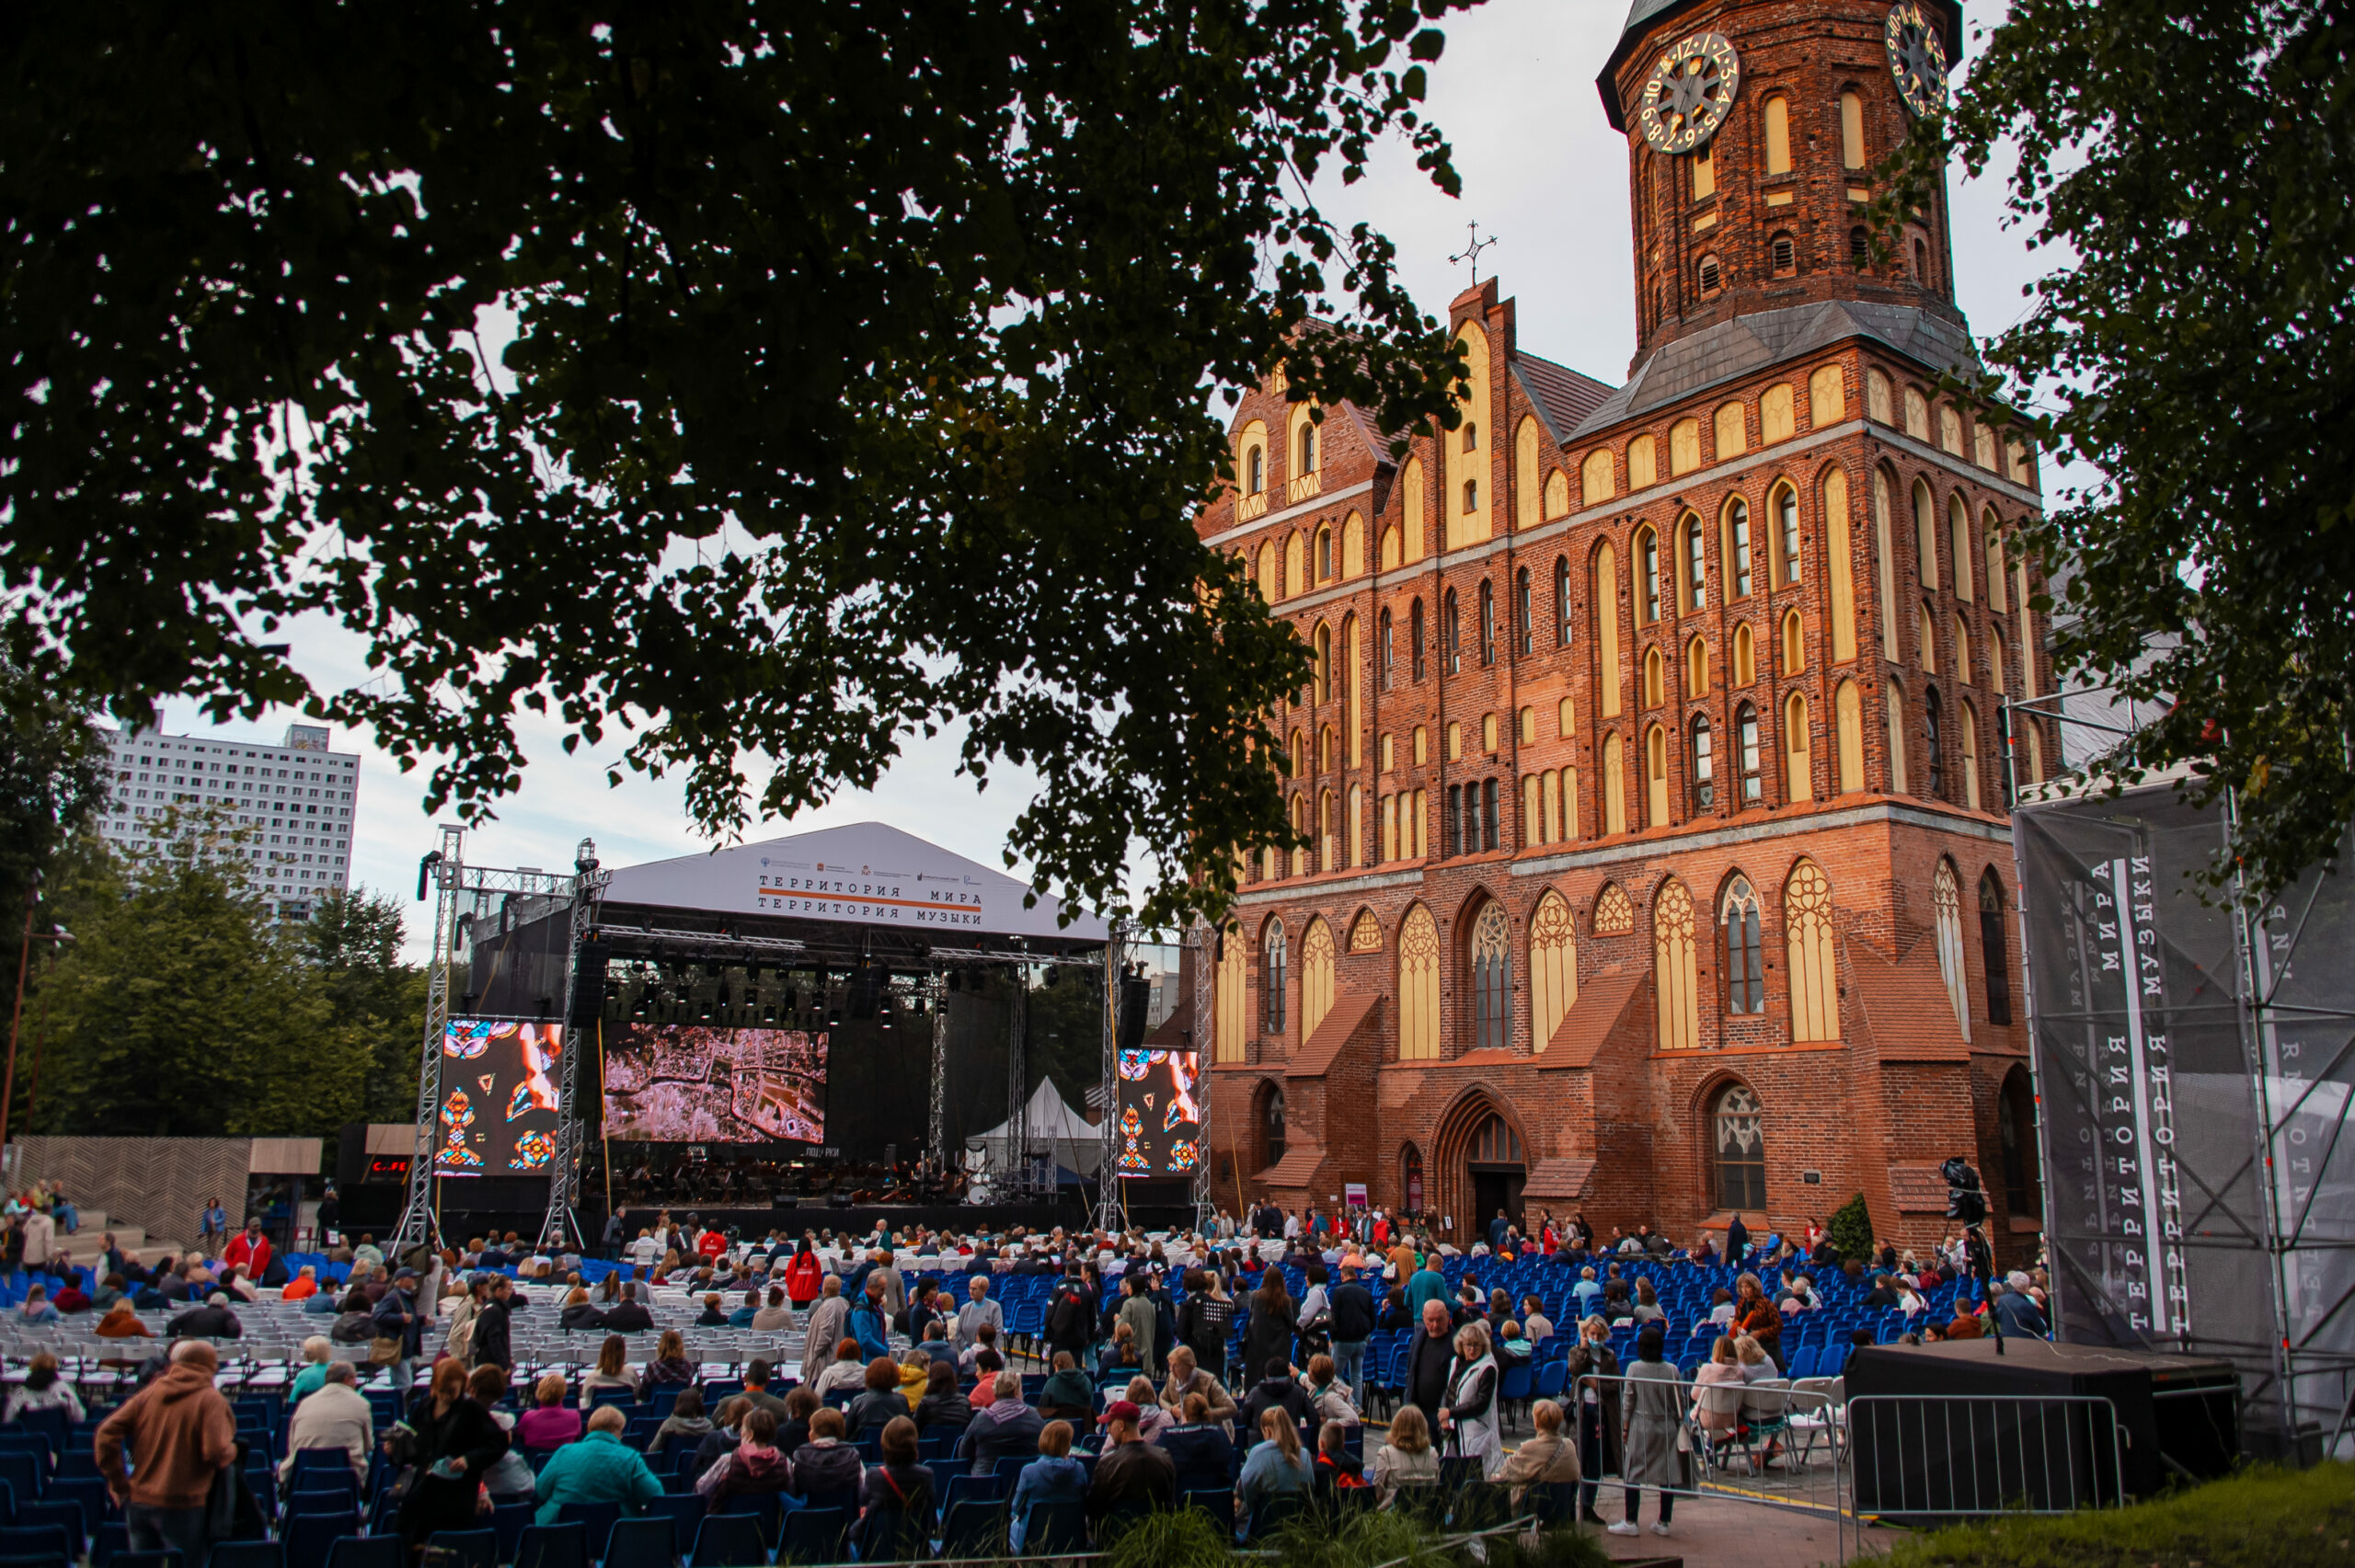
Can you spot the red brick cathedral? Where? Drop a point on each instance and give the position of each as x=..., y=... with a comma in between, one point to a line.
x=1654, y=759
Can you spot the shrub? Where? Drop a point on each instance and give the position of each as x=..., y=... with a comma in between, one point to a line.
x=1852, y=1229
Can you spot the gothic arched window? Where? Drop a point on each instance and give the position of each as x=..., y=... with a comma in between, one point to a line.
x=1745, y=966
x=1995, y=949
x=1932, y=743
x=1415, y=636
x=1487, y=622
x=1702, y=756
x=1492, y=980
x=1745, y=735
x=1272, y=982
x=1561, y=601
x=1740, y=1141
x=1696, y=566
x=1451, y=633
x=1272, y=1127
x=1521, y=608
x=1738, y=572
x=1386, y=651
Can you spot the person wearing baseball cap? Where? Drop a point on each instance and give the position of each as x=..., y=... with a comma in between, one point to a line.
x=1133, y=1476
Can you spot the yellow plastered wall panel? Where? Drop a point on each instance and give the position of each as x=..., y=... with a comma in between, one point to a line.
x=1848, y=707
x=1676, y=978
x=1473, y=524
x=1925, y=535
x=1418, y=987
x=1778, y=135
x=1315, y=976
x=1840, y=544
x=1353, y=546
x=1234, y=1001
x=1614, y=785
x=1684, y=446
x=1827, y=397
x=1895, y=702
x=1557, y=495
x=1879, y=402
x=1777, y=419
x=1596, y=477
x=1958, y=547
x=1394, y=555
x=1807, y=937
x=1295, y=578
x=1656, y=776
x=1732, y=430
x=1798, y=757
x=1525, y=482
x=1416, y=513
x=1643, y=462
x=1553, y=967
x=1917, y=414
x=1951, y=428
x=1884, y=545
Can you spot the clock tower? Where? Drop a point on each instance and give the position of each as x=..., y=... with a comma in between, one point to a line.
x=1755, y=129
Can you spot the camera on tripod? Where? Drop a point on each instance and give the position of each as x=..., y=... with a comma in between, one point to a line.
x=1966, y=1201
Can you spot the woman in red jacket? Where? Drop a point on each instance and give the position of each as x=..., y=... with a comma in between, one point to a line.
x=803, y=1275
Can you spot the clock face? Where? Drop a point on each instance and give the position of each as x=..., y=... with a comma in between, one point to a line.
x=1917, y=58
x=1689, y=93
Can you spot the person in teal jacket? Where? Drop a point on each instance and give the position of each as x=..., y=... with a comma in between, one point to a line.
x=597, y=1469
x=1427, y=1283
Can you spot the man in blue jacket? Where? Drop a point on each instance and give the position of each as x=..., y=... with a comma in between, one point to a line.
x=868, y=1324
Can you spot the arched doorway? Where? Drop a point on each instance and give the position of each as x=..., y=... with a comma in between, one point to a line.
x=1410, y=1176
x=1494, y=1160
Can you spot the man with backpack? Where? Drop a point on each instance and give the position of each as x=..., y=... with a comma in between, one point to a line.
x=1071, y=1316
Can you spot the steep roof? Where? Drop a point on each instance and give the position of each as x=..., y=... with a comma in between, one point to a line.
x=1563, y=398
x=1906, y=1004
x=1732, y=350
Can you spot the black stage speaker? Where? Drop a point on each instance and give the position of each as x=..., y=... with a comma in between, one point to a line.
x=1136, y=1002
x=1916, y=1453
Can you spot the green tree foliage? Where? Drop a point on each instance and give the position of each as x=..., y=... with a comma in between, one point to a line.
x=1851, y=1229
x=856, y=384
x=53, y=784
x=181, y=1009
x=2189, y=165
x=353, y=944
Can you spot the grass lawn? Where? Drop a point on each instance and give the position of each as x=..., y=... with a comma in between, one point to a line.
x=2263, y=1519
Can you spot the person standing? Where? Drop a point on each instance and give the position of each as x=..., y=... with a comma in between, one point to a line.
x=1351, y=1309
x=185, y=1434
x=397, y=1320
x=491, y=1341
x=213, y=1226
x=614, y=1233
x=249, y=1251
x=823, y=1330
x=457, y=1444
x=1428, y=1361
x=1649, y=1441
x=1737, y=1239
x=1468, y=1411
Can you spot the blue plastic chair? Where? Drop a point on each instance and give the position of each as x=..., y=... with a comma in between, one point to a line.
x=473, y=1549
x=815, y=1536
x=21, y=1471
x=597, y=1519
x=67, y=1515
x=507, y=1522
x=685, y=1511
x=764, y=1506
x=246, y=1554
x=642, y=1543
x=310, y=1538
x=554, y=1546
x=1055, y=1529
x=727, y=1540
x=368, y=1552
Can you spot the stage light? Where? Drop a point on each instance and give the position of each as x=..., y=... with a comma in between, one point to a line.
x=705, y=1015
x=770, y=1015
x=639, y=1011
x=792, y=1000
x=723, y=993
x=916, y=1007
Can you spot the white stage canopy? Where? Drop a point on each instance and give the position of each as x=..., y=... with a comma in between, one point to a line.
x=866, y=874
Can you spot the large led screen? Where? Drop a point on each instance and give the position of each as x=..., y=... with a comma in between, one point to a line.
x=685, y=1083
x=497, y=1114
x=1161, y=1119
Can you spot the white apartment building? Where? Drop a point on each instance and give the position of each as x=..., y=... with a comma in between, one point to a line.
x=293, y=801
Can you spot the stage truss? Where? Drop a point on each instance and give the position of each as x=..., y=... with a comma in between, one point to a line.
x=456, y=884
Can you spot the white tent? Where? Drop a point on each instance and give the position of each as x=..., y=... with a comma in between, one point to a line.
x=1077, y=1142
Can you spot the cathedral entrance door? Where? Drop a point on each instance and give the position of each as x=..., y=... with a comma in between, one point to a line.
x=1495, y=1187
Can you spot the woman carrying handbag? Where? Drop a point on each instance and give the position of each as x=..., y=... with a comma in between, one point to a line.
x=1468, y=1411
x=454, y=1445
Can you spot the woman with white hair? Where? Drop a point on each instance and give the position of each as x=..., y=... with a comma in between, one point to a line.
x=317, y=1351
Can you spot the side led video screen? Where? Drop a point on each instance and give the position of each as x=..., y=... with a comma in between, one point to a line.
x=685, y=1083
x=1160, y=1116
x=498, y=1097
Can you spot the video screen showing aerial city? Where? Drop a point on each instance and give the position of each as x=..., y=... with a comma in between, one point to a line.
x=687, y=1083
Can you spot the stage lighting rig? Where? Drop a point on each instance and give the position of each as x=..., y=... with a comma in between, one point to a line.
x=1965, y=1201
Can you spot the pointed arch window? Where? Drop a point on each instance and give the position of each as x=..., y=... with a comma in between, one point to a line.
x=1696, y=566
x=1496, y=1143
x=1702, y=755
x=1308, y=448
x=1745, y=732
x=1386, y=650
x=1271, y=1125
x=1787, y=536
x=1738, y=572
x=1415, y=637
x=1946, y=907
x=1324, y=554
x=1521, y=644
x=1492, y=980
x=1647, y=575
x=1561, y=601
x=1258, y=471
x=1745, y=964
x=1488, y=623
x=1451, y=633
x=1741, y=1140
x=1271, y=988
x=1995, y=949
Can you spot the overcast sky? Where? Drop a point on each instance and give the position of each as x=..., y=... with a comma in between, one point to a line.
x=1543, y=173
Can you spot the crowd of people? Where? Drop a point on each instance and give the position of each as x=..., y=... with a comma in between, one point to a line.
x=1230, y=1359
